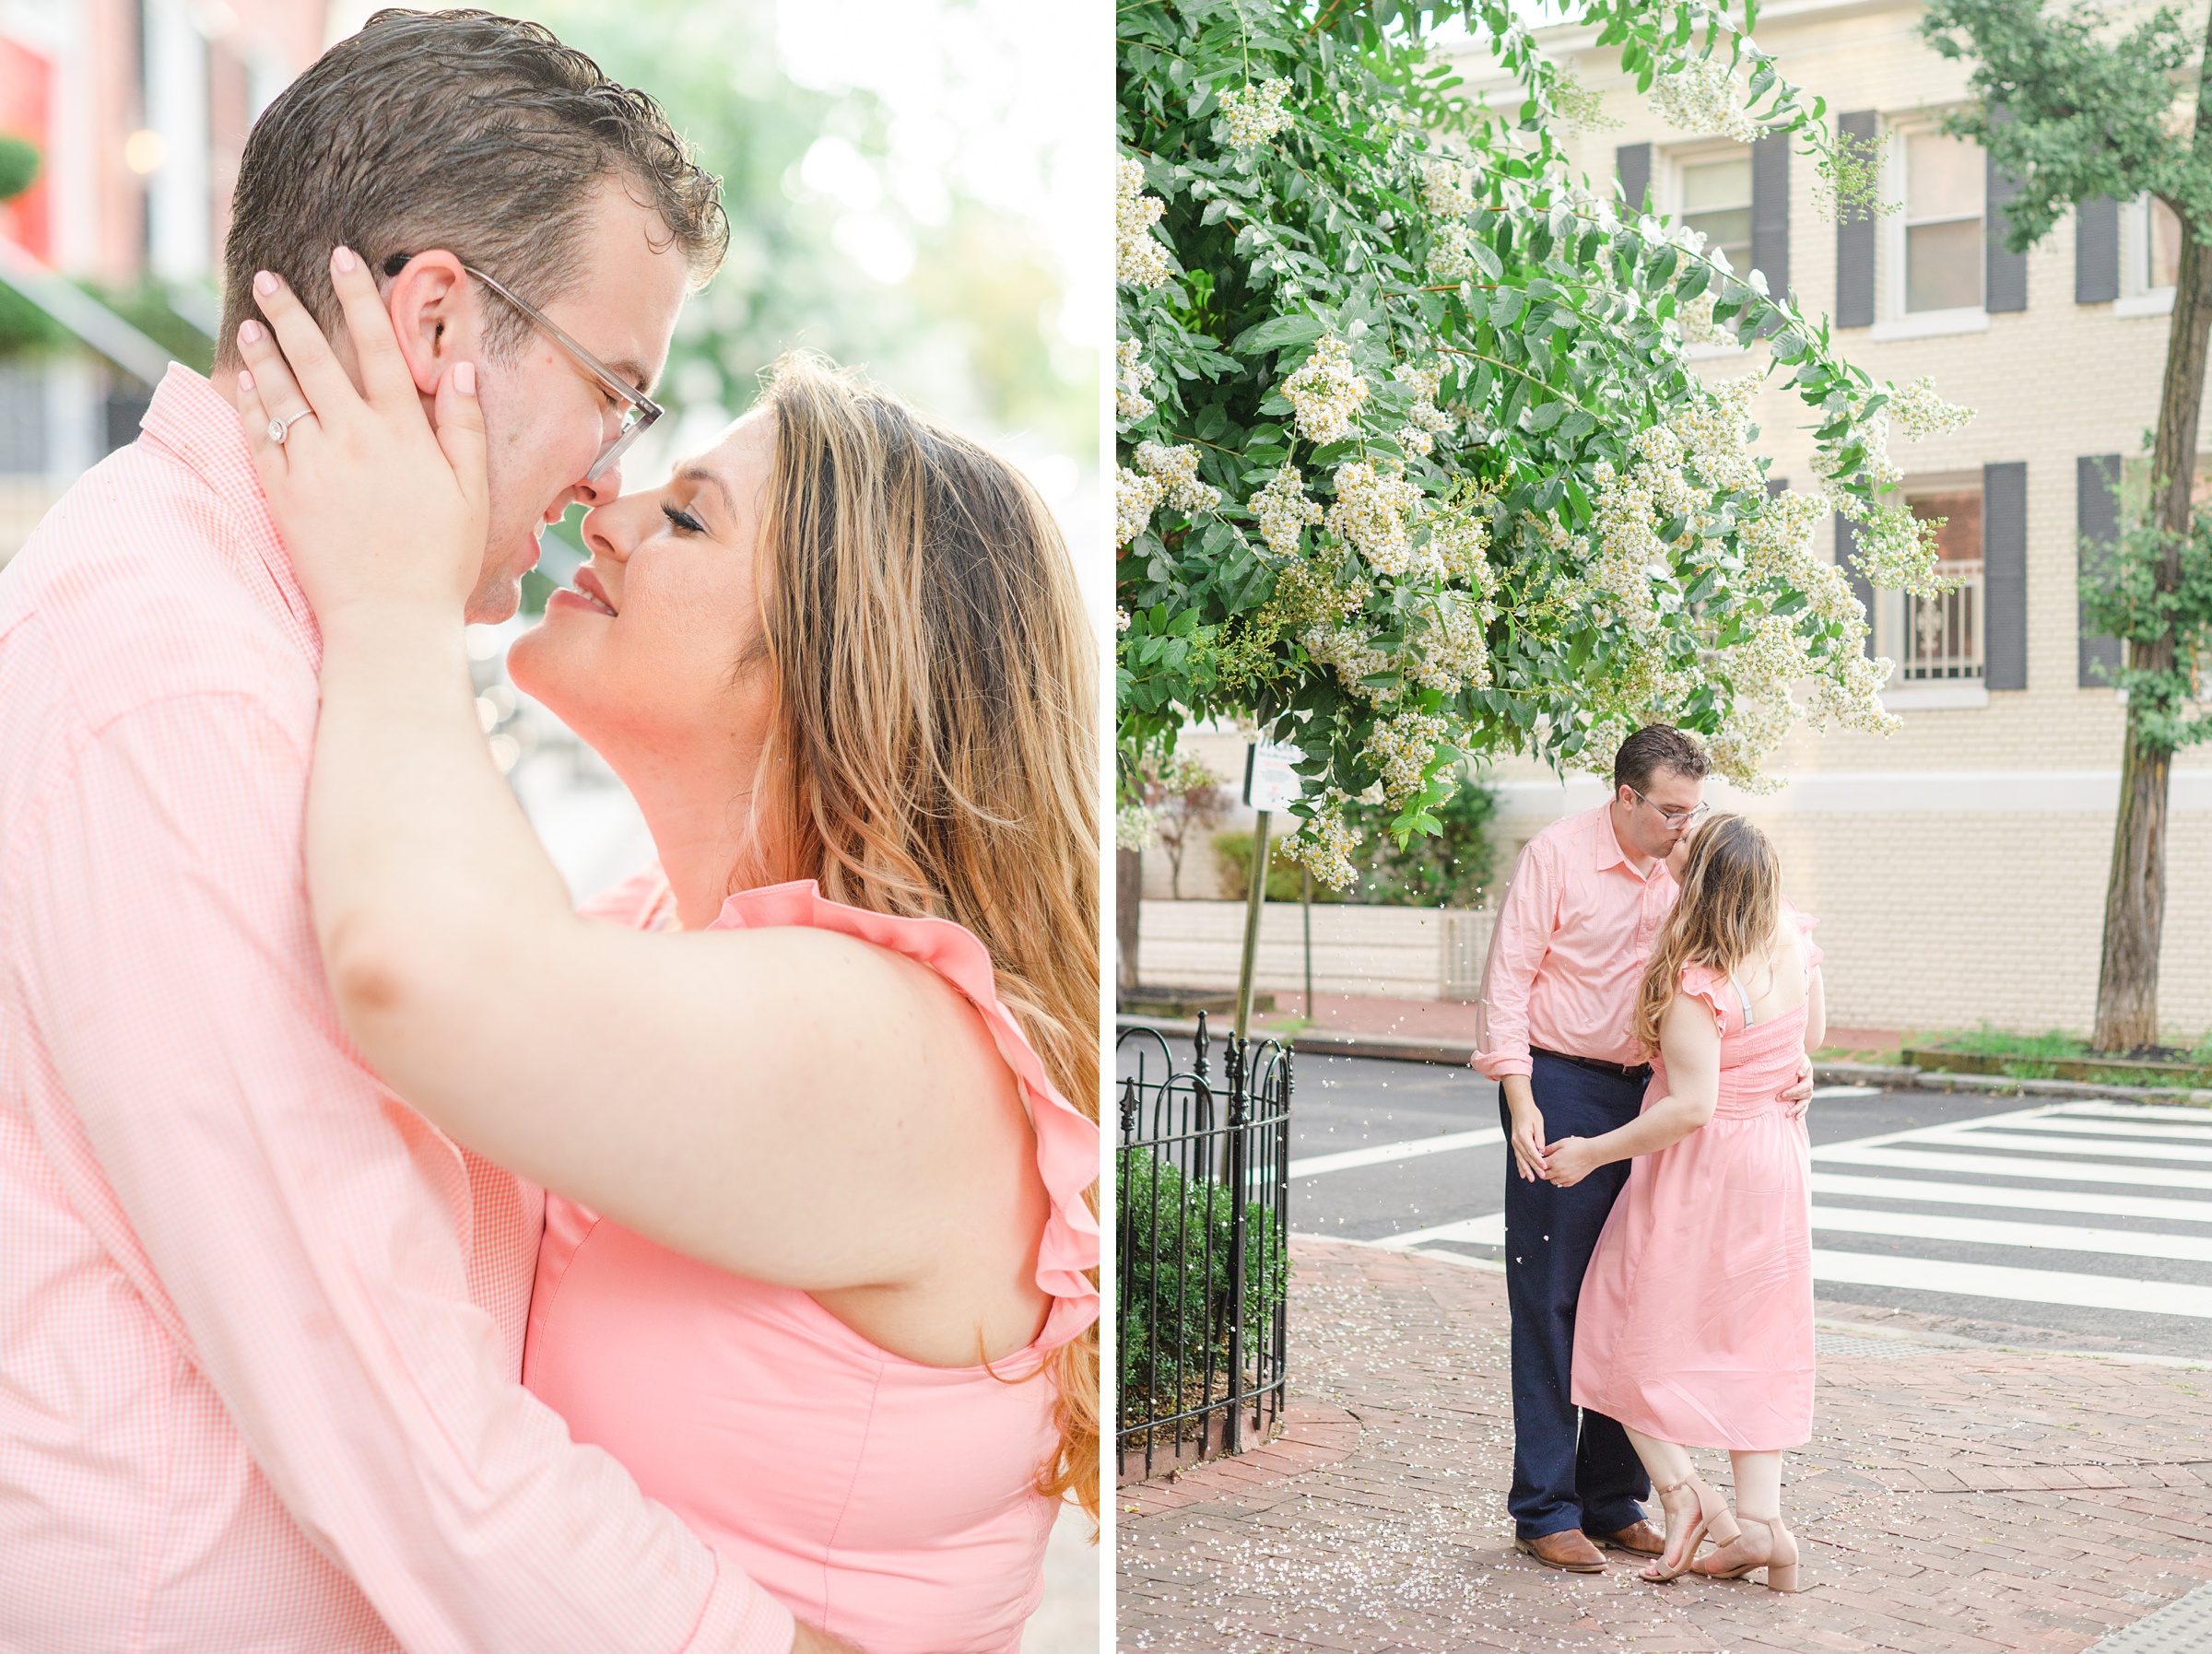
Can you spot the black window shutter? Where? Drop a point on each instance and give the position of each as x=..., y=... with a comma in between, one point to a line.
x=2096, y=519
x=1861, y=587
x=1855, y=240
x=2005, y=574
x=1777, y=486
x=1633, y=162
x=2097, y=251
x=2004, y=280
x=1770, y=211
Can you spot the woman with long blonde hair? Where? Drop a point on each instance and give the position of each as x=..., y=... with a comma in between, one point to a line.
x=1695, y=1325
x=817, y=1113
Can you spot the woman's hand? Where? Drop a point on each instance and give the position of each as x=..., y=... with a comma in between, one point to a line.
x=375, y=507
x=1569, y=1160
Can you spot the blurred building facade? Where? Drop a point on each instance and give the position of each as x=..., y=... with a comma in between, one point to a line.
x=139, y=110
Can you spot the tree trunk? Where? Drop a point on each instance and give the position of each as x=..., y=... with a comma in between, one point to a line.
x=1128, y=890
x=2135, y=897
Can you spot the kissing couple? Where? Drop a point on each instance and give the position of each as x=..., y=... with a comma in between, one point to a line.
x=395, y=1257
x=1649, y=1009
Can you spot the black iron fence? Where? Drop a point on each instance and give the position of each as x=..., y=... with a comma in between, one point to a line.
x=1202, y=1186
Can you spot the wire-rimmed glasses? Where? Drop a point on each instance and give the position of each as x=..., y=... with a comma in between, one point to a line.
x=638, y=410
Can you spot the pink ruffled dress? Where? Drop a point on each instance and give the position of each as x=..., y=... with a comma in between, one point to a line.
x=891, y=1503
x=1695, y=1324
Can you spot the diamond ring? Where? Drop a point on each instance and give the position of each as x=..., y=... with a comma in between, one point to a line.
x=280, y=428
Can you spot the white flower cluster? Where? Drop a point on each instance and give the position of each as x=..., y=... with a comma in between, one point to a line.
x=1348, y=651
x=1136, y=497
x=1450, y=252
x=1427, y=420
x=1255, y=114
x=1918, y=412
x=1326, y=393
x=1401, y=748
x=1444, y=188
x=1454, y=652
x=1139, y=260
x=1324, y=845
x=1702, y=95
x=1177, y=470
x=1893, y=549
x=1121, y=621
x=1135, y=827
x=1854, y=701
x=1713, y=434
x=1374, y=515
x=1283, y=510
x=1458, y=549
x=1129, y=399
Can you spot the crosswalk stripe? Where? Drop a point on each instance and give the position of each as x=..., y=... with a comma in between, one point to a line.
x=2105, y=1147
x=2008, y=1166
x=2012, y=1197
x=2104, y=1109
x=2111, y=1128
x=1384, y=1153
x=1985, y=1231
x=1482, y=1231
x=1997, y=1280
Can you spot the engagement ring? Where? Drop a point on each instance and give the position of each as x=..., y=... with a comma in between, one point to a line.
x=279, y=427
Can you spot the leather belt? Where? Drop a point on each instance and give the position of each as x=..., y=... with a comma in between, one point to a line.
x=1619, y=1071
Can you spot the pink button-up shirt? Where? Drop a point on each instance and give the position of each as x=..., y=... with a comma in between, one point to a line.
x=1570, y=947
x=260, y=1324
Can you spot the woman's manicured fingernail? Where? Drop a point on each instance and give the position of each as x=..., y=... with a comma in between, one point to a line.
x=249, y=332
x=465, y=378
x=343, y=260
x=245, y=380
x=264, y=284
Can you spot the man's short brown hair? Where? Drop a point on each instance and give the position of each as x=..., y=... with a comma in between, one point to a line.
x=460, y=130
x=1655, y=747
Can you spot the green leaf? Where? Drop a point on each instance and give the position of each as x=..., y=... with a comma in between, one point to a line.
x=1276, y=333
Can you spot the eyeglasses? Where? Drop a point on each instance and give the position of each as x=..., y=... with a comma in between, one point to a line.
x=638, y=410
x=1675, y=819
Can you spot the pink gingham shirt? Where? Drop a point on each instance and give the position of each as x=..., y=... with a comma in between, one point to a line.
x=260, y=1324
x=1568, y=948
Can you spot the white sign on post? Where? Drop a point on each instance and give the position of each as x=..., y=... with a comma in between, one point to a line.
x=1270, y=782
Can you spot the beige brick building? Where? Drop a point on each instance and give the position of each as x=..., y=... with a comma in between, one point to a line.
x=1958, y=865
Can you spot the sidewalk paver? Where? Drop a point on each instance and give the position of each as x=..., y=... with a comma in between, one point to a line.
x=1974, y=1501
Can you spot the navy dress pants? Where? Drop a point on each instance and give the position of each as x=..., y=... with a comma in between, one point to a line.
x=1572, y=1469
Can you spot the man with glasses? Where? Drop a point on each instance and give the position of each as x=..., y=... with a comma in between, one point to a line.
x=264, y=1324
x=1577, y=924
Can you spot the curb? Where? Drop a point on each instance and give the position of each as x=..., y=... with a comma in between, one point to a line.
x=1459, y=1054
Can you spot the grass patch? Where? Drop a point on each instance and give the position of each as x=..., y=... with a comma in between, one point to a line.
x=1990, y=1041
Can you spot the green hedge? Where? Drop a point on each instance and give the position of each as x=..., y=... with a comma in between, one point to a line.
x=1174, y=1306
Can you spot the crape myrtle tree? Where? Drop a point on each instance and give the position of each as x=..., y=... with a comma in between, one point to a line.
x=2078, y=107
x=1414, y=463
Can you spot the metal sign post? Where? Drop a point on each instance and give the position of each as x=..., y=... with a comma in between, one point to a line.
x=1270, y=784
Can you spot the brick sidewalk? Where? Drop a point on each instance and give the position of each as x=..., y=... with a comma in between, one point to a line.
x=1950, y=1500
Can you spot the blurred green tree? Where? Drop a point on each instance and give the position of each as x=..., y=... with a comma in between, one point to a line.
x=965, y=335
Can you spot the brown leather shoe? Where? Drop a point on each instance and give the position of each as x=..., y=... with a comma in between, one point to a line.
x=1565, y=1549
x=1639, y=1538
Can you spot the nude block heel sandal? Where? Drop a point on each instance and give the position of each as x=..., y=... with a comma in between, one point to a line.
x=1712, y=1513
x=1780, y=1562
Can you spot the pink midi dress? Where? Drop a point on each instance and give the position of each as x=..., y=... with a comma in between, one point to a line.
x=889, y=1503
x=1695, y=1324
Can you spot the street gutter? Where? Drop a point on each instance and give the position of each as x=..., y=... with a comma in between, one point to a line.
x=1459, y=1054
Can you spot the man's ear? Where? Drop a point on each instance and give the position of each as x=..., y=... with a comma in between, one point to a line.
x=432, y=307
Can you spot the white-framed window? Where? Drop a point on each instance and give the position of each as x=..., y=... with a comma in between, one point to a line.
x=1712, y=196
x=1940, y=641
x=1936, y=241
x=2150, y=257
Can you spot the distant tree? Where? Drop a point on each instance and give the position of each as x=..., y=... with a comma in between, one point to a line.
x=1186, y=798
x=1449, y=868
x=2076, y=106
x=19, y=165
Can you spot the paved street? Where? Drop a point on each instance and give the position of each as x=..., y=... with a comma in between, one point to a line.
x=2024, y=1222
